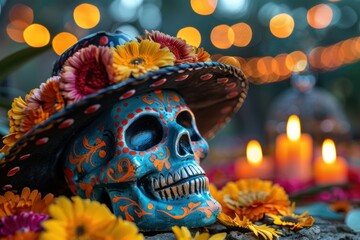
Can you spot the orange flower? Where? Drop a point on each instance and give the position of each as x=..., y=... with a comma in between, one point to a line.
x=290, y=219
x=202, y=55
x=33, y=118
x=252, y=198
x=48, y=96
x=11, y=203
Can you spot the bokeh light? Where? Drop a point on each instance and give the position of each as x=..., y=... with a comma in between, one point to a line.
x=282, y=25
x=296, y=61
x=319, y=16
x=63, y=41
x=222, y=36
x=86, y=15
x=20, y=16
x=203, y=7
x=243, y=34
x=21, y=12
x=15, y=30
x=191, y=35
x=230, y=60
x=36, y=35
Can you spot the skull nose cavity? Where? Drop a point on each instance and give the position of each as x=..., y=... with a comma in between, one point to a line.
x=184, y=145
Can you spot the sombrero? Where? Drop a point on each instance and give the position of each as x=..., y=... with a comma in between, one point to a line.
x=103, y=68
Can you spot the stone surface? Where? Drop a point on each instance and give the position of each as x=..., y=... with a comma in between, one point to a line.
x=322, y=230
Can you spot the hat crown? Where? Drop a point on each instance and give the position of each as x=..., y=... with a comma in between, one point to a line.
x=101, y=38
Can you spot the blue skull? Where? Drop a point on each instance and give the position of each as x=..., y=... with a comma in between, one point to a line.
x=142, y=157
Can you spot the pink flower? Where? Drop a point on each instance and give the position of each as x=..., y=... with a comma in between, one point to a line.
x=183, y=52
x=23, y=222
x=87, y=71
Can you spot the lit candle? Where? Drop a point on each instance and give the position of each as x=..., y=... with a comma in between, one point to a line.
x=255, y=165
x=293, y=153
x=330, y=168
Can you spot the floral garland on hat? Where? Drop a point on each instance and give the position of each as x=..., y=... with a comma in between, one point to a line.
x=108, y=66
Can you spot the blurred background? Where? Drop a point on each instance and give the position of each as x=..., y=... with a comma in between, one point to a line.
x=301, y=57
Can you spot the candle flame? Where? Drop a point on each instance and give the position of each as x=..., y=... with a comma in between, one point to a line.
x=293, y=129
x=329, y=151
x=254, y=153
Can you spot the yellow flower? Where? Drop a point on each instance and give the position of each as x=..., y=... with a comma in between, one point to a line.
x=82, y=219
x=245, y=224
x=11, y=204
x=292, y=220
x=183, y=233
x=252, y=198
x=16, y=114
x=135, y=59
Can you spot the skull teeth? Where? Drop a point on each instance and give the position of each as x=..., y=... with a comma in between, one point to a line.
x=175, y=185
x=162, y=181
x=195, y=186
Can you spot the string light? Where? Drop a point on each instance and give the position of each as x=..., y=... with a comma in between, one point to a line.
x=319, y=16
x=86, y=15
x=36, y=35
x=191, y=35
x=203, y=7
x=243, y=34
x=282, y=25
x=222, y=36
x=63, y=41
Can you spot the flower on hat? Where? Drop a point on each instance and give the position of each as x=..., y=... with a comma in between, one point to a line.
x=15, y=116
x=48, y=97
x=38, y=105
x=252, y=198
x=183, y=233
x=85, y=219
x=244, y=223
x=202, y=55
x=135, y=59
x=290, y=219
x=183, y=52
x=26, y=225
x=87, y=71
x=11, y=204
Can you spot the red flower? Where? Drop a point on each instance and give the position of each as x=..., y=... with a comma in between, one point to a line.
x=87, y=71
x=183, y=52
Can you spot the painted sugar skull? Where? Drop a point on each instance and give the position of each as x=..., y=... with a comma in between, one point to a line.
x=116, y=123
x=142, y=157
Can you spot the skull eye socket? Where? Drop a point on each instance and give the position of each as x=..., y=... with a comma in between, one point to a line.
x=144, y=133
x=186, y=120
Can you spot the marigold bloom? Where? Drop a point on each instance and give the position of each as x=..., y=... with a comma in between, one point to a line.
x=135, y=59
x=28, y=201
x=84, y=219
x=183, y=233
x=183, y=52
x=245, y=224
x=292, y=220
x=87, y=71
x=252, y=198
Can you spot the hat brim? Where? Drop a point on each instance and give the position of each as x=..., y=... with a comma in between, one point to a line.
x=212, y=90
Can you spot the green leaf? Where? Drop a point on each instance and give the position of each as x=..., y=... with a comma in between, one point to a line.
x=17, y=59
